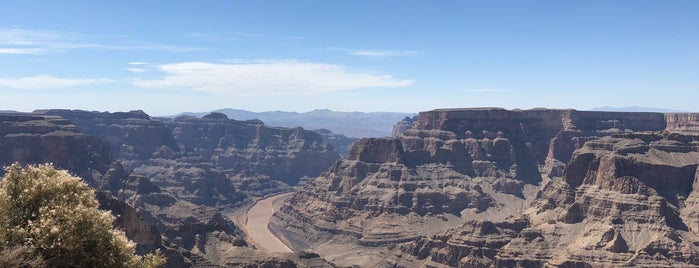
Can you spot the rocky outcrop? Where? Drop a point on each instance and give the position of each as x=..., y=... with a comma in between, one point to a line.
x=144, y=234
x=207, y=161
x=143, y=210
x=618, y=200
x=131, y=135
x=403, y=125
x=35, y=139
x=474, y=244
x=340, y=142
x=284, y=154
x=625, y=202
x=682, y=122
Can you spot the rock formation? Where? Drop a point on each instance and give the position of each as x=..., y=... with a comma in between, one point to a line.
x=205, y=160
x=340, y=142
x=403, y=125
x=40, y=138
x=682, y=122
x=175, y=200
x=492, y=187
x=462, y=187
x=285, y=154
x=51, y=139
x=131, y=135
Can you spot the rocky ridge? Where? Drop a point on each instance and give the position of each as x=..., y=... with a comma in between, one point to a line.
x=492, y=187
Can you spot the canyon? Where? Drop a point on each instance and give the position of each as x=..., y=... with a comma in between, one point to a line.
x=491, y=187
x=172, y=182
x=478, y=187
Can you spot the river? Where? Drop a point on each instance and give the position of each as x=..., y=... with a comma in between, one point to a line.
x=258, y=217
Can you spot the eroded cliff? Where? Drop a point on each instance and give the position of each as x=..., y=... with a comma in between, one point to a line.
x=167, y=193
x=482, y=187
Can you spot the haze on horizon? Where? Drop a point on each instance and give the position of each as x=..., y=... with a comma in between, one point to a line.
x=167, y=57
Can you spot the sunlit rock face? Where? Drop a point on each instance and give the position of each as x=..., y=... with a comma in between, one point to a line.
x=482, y=187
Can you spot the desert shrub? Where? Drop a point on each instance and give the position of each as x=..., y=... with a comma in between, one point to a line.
x=55, y=217
x=20, y=257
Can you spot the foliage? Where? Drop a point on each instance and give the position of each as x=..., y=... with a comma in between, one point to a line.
x=55, y=216
x=20, y=256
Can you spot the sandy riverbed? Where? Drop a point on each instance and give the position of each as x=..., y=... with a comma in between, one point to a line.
x=258, y=217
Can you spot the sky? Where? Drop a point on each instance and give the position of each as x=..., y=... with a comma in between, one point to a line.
x=167, y=57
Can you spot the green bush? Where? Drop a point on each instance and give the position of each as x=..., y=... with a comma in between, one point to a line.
x=55, y=217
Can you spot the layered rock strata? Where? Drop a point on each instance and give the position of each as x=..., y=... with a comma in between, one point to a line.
x=285, y=154
x=492, y=187
x=51, y=139
x=210, y=160
x=340, y=142
x=131, y=136
x=36, y=139
x=174, y=204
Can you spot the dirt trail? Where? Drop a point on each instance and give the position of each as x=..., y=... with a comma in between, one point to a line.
x=258, y=217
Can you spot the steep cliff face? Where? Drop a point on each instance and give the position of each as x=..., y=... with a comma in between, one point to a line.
x=626, y=199
x=682, y=122
x=552, y=134
x=144, y=234
x=132, y=136
x=173, y=200
x=460, y=170
x=203, y=160
x=284, y=154
x=151, y=217
x=28, y=138
x=39, y=138
x=403, y=125
x=340, y=142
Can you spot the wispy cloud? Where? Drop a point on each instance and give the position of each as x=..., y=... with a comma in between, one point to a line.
x=136, y=70
x=383, y=53
x=483, y=90
x=376, y=53
x=25, y=41
x=240, y=35
x=267, y=78
x=49, y=82
x=12, y=50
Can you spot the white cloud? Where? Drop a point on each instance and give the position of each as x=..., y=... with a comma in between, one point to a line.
x=12, y=50
x=267, y=78
x=138, y=63
x=372, y=53
x=484, y=90
x=23, y=37
x=24, y=41
x=375, y=53
x=49, y=82
x=136, y=70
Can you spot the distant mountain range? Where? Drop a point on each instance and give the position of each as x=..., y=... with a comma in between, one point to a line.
x=635, y=109
x=350, y=124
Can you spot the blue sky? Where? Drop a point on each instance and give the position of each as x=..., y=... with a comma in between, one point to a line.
x=166, y=57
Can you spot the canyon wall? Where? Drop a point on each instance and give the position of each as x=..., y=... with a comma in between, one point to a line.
x=169, y=182
x=494, y=187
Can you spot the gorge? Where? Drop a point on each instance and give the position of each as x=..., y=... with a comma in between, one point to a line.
x=479, y=187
